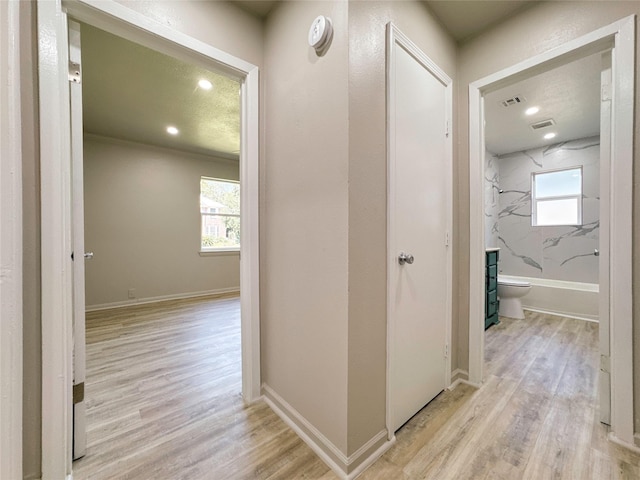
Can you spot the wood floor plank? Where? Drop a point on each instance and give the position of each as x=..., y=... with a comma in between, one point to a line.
x=451, y=449
x=163, y=403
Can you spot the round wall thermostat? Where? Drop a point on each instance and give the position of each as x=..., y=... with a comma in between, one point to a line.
x=320, y=32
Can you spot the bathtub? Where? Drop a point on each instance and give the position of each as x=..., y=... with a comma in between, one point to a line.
x=569, y=299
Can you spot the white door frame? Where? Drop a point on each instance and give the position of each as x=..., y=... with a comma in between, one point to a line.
x=10, y=243
x=396, y=37
x=55, y=194
x=619, y=36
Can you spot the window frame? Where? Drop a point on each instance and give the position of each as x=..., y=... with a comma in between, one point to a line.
x=205, y=251
x=535, y=199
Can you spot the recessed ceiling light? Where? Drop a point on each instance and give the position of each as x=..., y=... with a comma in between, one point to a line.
x=172, y=130
x=205, y=84
x=549, y=136
x=531, y=111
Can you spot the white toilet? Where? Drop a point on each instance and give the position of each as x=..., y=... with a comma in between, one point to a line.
x=510, y=291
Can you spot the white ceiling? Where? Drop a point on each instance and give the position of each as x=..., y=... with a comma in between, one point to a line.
x=259, y=8
x=133, y=93
x=570, y=95
x=467, y=18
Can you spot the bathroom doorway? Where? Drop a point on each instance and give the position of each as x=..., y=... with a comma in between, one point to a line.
x=542, y=187
x=618, y=296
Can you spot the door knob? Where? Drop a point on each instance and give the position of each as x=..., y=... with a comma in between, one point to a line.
x=405, y=258
x=88, y=255
x=596, y=252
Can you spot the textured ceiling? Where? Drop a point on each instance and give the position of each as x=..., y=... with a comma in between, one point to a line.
x=133, y=93
x=467, y=18
x=259, y=8
x=569, y=94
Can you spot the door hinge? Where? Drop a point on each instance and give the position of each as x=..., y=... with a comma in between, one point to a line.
x=74, y=73
x=446, y=239
x=605, y=92
x=446, y=129
x=446, y=351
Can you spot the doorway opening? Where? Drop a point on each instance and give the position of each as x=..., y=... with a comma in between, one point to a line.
x=160, y=212
x=542, y=211
x=618, y=38
x=56, y=192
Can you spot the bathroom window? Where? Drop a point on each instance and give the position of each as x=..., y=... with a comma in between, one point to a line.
x=220, y=215
x=556, y=197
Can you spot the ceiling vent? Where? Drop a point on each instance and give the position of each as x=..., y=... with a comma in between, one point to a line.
x=515, y=100
x=543, y=124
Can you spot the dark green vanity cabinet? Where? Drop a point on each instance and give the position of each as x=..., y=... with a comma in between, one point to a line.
x=491, y=301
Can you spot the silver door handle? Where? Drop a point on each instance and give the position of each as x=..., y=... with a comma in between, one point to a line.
x=596, y=252
x=405, y=258
x=88, y=255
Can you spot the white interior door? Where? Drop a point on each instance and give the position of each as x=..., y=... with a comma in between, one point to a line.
x=603, y=263
x=419, y=193
x=77, y=193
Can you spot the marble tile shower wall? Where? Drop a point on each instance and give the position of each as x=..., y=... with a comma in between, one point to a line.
x=558, y=253
x=492, y=207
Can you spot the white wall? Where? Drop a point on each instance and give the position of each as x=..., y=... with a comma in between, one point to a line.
x=553, y=253
x=142, y=222
x=305, y=221
x=324, y=290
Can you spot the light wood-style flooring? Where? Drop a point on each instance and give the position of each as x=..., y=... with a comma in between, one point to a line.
x=163, y=402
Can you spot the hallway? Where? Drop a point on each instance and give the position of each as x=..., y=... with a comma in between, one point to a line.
x=163, y=391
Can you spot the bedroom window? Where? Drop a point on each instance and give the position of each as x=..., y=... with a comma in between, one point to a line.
x=556, y=197
x=220, y=215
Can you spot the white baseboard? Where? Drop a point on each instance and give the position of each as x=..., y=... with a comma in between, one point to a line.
x=471, y=384
x=371, y=459
x=458, y=376
x=465, y=382
x=162, y=298
x=562, y=314
x=614, y=439
x=321, y=445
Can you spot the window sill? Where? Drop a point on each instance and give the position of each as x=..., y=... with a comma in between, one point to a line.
x=218, y=253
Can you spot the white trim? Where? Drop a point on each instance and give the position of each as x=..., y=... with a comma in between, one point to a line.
x=250, y=236
x=371, y=459
x=552, y=283
x=395, y=36
x=631, y=446
x=621, y=231
x=619, y=36
x=454, y=384
x=10, y=243
x=219, y=253
x=461, y=380
x=161, y=298
x=56, y=227
x=459, y=372
x=55, y=192
x=321, y=445
x=561, y=314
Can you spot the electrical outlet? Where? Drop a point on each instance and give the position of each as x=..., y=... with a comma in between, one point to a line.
x=132, y=293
